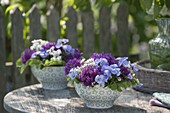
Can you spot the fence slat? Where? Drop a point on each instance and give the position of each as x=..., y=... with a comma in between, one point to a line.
x=53, y=24
x=105, y=27
x=17, y=45
x=71, y=26
x=88, y=33
x=122, y=33
x=35, y=33
x=35, y=24
x=2, y=60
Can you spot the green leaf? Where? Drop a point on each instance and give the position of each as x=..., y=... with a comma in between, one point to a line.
x=165, y=66
x=53, y=63
x=146, y=4
x=19, y=63
x=113, y=86
x=13, y=6
x=68, y=78
x=76, y=80
x=23, y=68
x=157, y=8
x=35, y=62
x=167, y=3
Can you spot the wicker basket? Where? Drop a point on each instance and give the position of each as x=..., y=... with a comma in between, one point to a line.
x=153, y=80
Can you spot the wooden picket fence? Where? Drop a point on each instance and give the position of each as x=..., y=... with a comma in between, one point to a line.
x=10, y=77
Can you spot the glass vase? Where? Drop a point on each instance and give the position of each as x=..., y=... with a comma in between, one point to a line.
x=159, y=47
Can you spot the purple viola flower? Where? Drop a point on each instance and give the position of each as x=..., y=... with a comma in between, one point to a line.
x=100, y=62
x=26, y=55
x=125, y=71
x=77, y=54
x=61, y=42
x=68, y=49
x=71, y=64
x=88, y=74
x=109, y=57
x=48, y=45
x=101, y=79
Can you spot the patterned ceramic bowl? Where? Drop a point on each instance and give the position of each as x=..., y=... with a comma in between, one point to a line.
x=97, y=97
x=52, y=78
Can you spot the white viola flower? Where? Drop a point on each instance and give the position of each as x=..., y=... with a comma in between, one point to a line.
x=57, y=53
x=90, y=62
x=78, y=69
x=39, y=41
x=59, y=58
x=37, y=44
x=53, y=59
x=51, y=50
x=56, y=58
x=83, y=60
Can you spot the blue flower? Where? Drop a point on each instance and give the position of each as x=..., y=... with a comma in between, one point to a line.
x=123, y=61
x=101, y=79
x=61, y=42
x=68, y=49
x=100, y=62
x=135, y=69
x=108, y=73
x=130, y=76
x=73, y=73
x=112, y=68
x=41, y=53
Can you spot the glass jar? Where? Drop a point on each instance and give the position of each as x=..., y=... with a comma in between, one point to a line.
x=159, y=47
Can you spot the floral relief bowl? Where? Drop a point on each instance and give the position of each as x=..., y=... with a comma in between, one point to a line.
x=97, y=97
x=51, y=78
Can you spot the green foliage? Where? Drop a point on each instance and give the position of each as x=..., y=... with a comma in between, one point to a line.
x=164, y=66
x=119, y=85
x=143, y=12
x=82, y=5
x=37, y=63
x=155, y=8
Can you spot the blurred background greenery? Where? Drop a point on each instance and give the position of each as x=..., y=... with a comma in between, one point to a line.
x=142, y=26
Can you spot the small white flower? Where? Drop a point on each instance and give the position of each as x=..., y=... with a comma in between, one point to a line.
x=56, y=58
x=37, y=44
x=89, y=62
x=57, y=53
x=50, y=51
x=59, y=58
x=82, y=61
x=4, y=2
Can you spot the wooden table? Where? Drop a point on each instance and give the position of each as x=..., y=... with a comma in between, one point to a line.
x=34, y=99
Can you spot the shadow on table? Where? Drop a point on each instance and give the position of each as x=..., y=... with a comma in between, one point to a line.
x=114, y=109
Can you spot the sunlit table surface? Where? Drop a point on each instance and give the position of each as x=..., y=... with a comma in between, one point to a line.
x=34, y=99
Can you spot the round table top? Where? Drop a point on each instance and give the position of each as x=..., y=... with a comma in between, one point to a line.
x=34, y=99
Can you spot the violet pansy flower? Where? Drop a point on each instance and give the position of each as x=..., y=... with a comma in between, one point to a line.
x=26, y=55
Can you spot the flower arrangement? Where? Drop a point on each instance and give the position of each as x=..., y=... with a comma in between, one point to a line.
x=104, y=70
x=44, y=53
